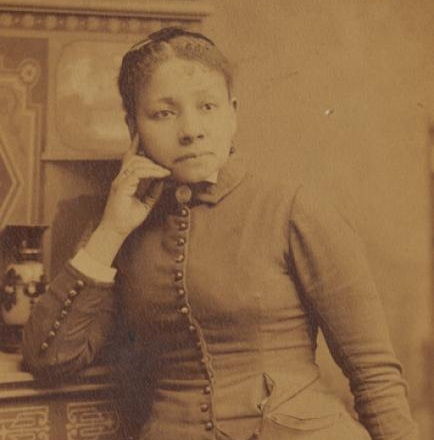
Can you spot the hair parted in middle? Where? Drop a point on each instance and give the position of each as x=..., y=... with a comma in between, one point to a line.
x=139, y=63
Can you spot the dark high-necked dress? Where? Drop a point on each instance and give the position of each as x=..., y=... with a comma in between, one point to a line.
x=220, y=294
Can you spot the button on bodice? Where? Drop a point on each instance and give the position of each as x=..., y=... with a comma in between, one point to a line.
x=183, y=194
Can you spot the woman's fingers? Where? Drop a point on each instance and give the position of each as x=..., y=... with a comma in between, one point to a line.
x=124, y=208
x=132, y=178
x=135, y=143
x=139, y=178
x=146, y=173
x=134, y=146
x=141, y=169
x=132, y=150
x=153, y=193
x=127, y=182
x=132, y=160
x=135, y=162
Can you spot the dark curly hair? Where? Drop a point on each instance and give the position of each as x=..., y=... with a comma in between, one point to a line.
x=140, y=61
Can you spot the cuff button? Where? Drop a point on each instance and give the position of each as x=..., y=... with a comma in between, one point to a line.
x=72, y=293
x=183, y=310
x=79, y=284
x=207, y=390
x=44, y=346
x=181, y=241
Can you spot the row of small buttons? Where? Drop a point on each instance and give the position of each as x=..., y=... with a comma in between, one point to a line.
x=183, y=196
x=79, y=284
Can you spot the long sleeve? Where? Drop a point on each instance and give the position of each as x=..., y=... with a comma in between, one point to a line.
x=336, y=285
x=69, y=325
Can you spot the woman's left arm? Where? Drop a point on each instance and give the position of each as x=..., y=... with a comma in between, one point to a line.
x=336, y=285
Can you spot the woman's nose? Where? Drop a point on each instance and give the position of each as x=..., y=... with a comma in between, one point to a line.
x=191, y=129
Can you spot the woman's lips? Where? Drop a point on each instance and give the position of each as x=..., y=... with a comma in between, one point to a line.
x=189, y=156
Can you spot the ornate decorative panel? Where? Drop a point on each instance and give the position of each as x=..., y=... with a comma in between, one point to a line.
x=25, y=423
x=96, y=420
x=86, y=42
x=22, y=100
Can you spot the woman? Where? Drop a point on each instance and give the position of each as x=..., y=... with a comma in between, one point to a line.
x=221, y=279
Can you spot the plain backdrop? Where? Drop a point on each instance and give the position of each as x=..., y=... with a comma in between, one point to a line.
x=340, y=93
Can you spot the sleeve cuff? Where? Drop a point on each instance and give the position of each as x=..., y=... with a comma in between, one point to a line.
x=92, y=268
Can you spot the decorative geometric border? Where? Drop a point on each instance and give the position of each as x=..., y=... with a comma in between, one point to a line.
x=92, y=420
x=189, y=9
x=21, y=80
x=73, y=23
x=29, y=423
x=10, y=198
x=103, y=16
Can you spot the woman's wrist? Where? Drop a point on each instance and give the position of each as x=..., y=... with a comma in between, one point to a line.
x=104, y=244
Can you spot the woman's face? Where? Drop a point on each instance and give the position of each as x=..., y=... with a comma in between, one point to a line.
x=186, y=119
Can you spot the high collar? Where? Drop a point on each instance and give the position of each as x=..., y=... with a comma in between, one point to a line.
x=229, y=177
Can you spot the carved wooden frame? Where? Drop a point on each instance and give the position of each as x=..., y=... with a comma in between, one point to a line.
x=65, y=22
x=177, y=9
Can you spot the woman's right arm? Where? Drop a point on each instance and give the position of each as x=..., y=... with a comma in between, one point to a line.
x=69, y=325
x=73, y=320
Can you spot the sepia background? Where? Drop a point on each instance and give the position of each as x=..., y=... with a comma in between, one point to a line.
x=341, y=93
x=337, y=93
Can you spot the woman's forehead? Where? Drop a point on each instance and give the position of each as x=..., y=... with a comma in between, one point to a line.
x=178, y=75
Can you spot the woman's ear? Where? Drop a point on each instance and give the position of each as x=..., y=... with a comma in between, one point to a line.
x=131, y=124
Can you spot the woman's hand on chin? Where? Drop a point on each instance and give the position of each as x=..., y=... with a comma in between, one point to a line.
x=124, y=211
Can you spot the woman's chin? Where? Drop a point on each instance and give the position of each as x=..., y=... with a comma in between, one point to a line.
x=191, y=176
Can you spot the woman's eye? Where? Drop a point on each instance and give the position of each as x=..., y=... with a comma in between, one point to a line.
x=163, y=114
x=208, y=106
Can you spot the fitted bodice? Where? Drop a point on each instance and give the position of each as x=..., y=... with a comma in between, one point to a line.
x=220, y=297
x=213, y=294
